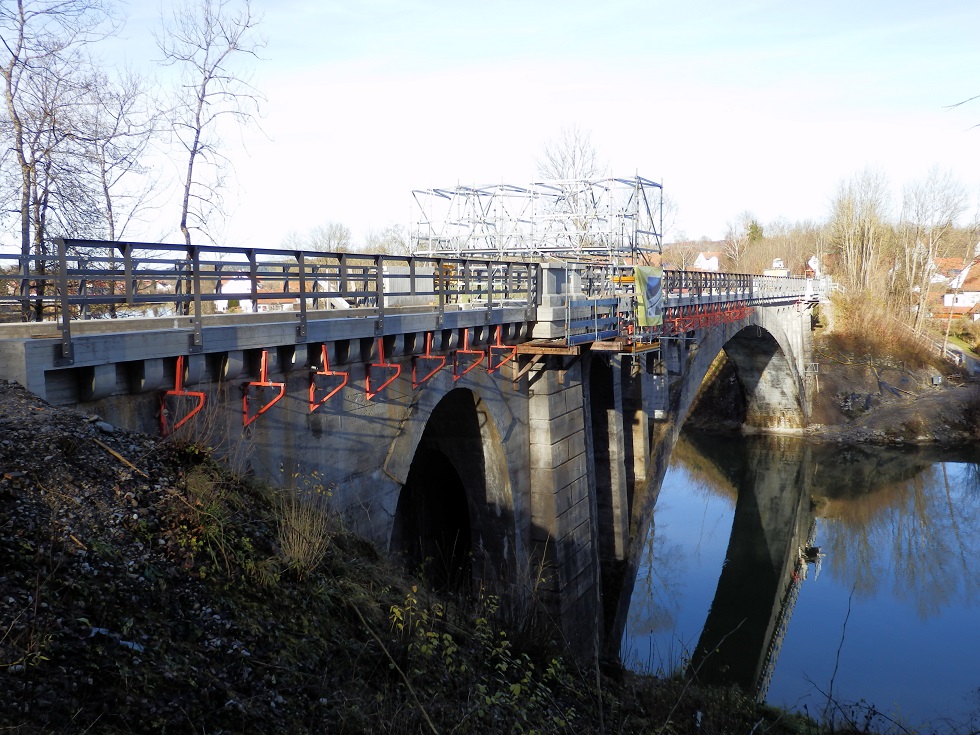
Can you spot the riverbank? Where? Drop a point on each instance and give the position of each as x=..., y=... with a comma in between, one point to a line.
x=886, y=402
x=145, y=590
x=876, y=400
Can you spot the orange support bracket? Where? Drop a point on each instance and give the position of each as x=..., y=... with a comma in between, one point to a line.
x=466, y=351
x=381, y=365
x=314, y=403
x=180, y=393
x=501, y=348
x=416, y=382
x=262, y=382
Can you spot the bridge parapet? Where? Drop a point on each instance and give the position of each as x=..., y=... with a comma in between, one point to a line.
x=96, y=280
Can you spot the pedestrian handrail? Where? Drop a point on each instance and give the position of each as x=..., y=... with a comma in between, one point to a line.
x=80, y=280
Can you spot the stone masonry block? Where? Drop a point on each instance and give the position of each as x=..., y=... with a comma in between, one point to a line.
x=570, y=481
x=545, y=430
x=551, y=456
x=574, y=519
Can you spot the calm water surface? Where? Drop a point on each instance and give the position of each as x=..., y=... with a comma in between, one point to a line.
x=886, y=616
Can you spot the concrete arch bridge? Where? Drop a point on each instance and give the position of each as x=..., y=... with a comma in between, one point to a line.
x=498, y=422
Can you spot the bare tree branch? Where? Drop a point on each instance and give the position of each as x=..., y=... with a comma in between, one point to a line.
x=206, y=41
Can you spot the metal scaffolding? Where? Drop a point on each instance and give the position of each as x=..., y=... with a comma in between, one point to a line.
x=614, y=221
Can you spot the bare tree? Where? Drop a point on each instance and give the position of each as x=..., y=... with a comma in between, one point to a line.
x=742, y=231
x=858, y=227
x=330, y=237
x=121, y=125
x=206, y=40
x=929, y=212
x=391, y=240
x=569, y=164
x=571, y=156
x=681, y=255
x=45, y=79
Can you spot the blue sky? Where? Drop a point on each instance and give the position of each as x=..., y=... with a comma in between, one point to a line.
x=762, y=106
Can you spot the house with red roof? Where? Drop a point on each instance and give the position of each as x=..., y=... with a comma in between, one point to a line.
x=963, y=292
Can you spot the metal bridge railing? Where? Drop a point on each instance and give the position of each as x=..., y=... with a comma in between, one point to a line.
x=688, y=299
x=91, y=279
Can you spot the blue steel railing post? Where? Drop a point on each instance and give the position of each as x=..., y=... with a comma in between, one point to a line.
x=301, y=327
x=535, y=294
x=379, y=276
x=253, y=278
x=67, y=349
x=442, y=281
x=342, y=275
x=197, y=339
x=82, y=288
x=25, y=288
x=130, y=282
x=315, y=288
x=491, y=275
x=217, y=278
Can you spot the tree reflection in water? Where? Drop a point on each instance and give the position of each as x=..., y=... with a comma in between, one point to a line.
x=900, y=527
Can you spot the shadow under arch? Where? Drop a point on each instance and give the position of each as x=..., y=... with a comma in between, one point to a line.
x=453, y=520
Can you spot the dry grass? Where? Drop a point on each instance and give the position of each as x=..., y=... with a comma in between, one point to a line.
x=303, y=533
x=866, y=328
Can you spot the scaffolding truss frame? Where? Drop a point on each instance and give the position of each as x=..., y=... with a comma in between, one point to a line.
x=615, y=220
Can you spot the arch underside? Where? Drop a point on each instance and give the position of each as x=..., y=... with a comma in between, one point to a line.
x=454, y=521
x=768, y=379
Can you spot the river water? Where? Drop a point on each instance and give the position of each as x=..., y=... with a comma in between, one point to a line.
x=840, y=582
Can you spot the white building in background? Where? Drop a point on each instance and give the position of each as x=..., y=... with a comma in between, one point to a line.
x=233, y=288
x=707, y=262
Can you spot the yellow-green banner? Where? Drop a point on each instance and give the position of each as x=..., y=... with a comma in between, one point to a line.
x=647, y=280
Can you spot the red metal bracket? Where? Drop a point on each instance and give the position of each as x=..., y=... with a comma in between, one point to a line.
x=262, y=382
x=180, y=393
x=314, y=403
x=501, y=348
x=706, y=316
x=381, y=364
x=427, y=356
x=466, y=351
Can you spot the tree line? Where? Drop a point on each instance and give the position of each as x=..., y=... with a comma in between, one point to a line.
x=79, y=128
x=868, y=242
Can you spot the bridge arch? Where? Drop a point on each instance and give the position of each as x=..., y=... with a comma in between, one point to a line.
x=767, y=352
x=768, y=378
x=454, y=517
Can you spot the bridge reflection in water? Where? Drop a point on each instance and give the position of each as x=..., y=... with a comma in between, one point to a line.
x=764, y=563
x=901, y=534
